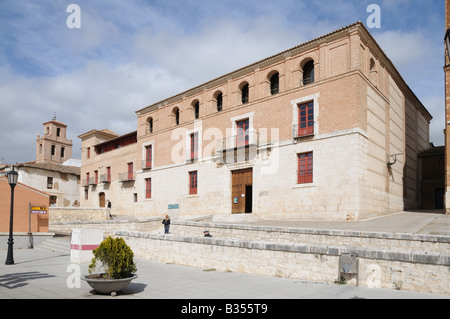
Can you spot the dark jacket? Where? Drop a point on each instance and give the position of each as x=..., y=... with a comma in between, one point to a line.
x=166, y=221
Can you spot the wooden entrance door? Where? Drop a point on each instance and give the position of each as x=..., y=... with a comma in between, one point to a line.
x=241, y=183
x=101, y=199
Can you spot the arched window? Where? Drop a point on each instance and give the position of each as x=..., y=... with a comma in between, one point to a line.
x=373, y=72
x=176, y=114
x=308, y=72
x=219, y=102
x=245, y=92
x=150, y=125
x=274, y=84
x=197, y=110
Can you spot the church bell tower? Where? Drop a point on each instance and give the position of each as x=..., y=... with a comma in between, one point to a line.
x=53, y=146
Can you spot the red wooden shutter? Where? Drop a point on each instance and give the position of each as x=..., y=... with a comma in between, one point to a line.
x=148, y=188
x=148, y=156
x=193, y=182
x=130, y=171
x=306, y=119
x=305, y=168
x=242, y=137
x=194, y=146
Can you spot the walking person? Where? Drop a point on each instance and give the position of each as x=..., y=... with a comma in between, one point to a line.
x=166, y=222
x=108, y=209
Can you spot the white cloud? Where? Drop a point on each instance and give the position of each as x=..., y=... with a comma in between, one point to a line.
x=419, y=59
x=128, y=55
x=95, y=97
x=405, y=49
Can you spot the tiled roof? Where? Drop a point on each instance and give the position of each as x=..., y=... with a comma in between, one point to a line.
x=51, y=167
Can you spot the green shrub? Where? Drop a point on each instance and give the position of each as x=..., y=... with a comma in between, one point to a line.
x=116, y=258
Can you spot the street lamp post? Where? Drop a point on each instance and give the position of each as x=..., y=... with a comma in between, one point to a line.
x=12, y=180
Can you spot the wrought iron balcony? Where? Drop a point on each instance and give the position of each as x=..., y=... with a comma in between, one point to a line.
x=248, y=139
x=127, y=177
x=300, y=131
x=146, y=164
x=105, y=178
x=238, y=148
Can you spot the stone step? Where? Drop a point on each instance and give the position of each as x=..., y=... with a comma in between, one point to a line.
x=61, y=245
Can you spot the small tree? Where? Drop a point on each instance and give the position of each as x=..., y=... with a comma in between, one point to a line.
x=115, y=256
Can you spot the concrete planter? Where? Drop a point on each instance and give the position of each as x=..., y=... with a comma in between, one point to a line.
x=107, y=286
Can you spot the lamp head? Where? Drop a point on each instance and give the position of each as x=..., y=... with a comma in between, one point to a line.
x=12, y=177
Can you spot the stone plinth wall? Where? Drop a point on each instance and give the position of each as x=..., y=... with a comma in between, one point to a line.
x=377, y=268
x=68, y=214
x=322, y=237
x=108, y=226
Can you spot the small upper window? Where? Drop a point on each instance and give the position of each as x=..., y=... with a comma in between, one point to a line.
x=219, y=102
x=372, y=64
x=58, y=132
x=150, y=125
x=49, y=182
x=176, y=114
x=308, y=72
x=274, y=84
x=197, y=110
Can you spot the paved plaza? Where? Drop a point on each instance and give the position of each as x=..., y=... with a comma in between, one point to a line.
x=44, y=273
x=47, y=274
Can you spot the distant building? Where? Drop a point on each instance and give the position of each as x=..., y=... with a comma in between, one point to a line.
x=108, y=169
x=54, y=171
x=25, y=197
x=432, y=163
x=447, y=110
x=60, y=182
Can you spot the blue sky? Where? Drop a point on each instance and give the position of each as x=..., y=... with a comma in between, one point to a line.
x=130, y=54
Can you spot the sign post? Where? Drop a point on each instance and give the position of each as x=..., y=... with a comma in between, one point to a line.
x=30, y=235
x=34, y=210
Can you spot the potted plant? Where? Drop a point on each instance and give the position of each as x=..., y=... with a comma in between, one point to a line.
x=115, y=257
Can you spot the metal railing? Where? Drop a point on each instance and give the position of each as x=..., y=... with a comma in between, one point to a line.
x=127, y=177
x=306, y=81
x=243, y=140
x=146, y=164
x=298, y=131
x=105, y=178
x=93, y=181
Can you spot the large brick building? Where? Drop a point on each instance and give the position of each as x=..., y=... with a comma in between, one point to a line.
x=326, y=130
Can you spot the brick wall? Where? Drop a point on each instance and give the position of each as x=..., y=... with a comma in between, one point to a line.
x=23, y=196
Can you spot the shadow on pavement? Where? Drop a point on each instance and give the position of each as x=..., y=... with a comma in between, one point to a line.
x=21, y=279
